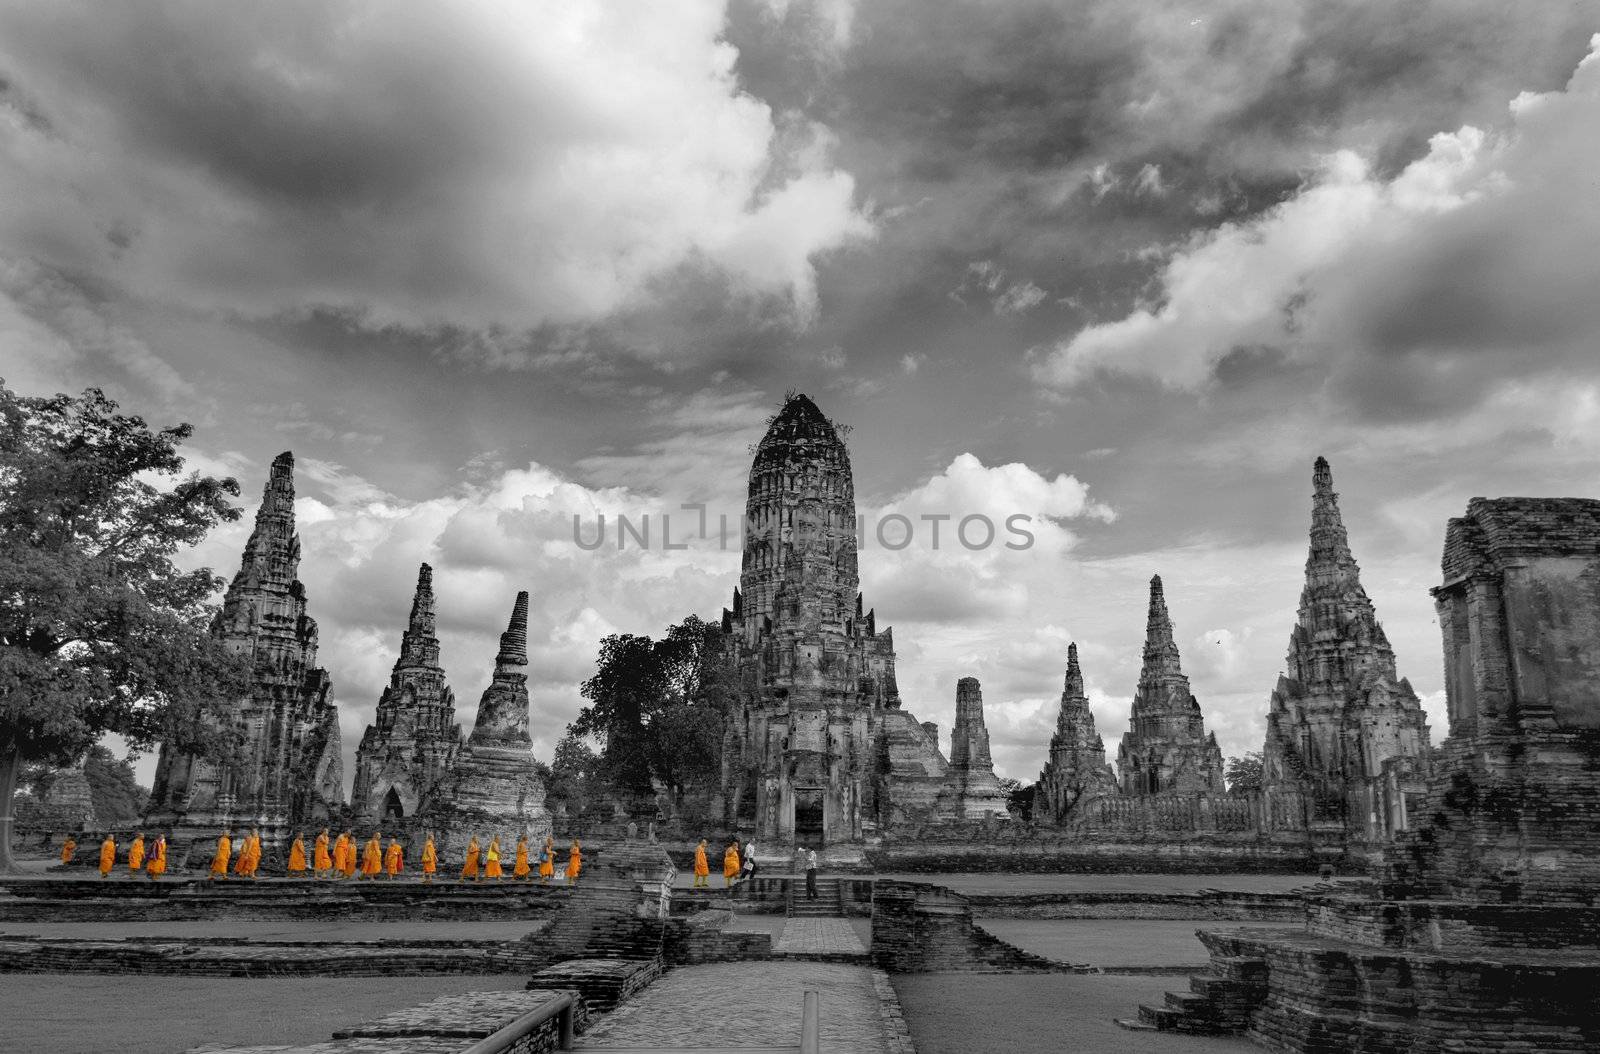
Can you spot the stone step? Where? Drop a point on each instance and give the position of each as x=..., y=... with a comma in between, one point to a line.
x=1189, y=1003
x=1162, y=1017
x=1133, y=1025
x=1240, y=968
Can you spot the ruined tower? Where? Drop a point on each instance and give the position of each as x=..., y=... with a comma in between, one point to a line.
x=971, y=768
x=1076, y=769
x=496, y=773
x=404, y=760
x=1166, y=747
x=1339, y=716
x=290, y=772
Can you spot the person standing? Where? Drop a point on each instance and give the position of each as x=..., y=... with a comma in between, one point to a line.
x=547, y=860
x=252, y=852
x=372, y=856
x=492, y=867
x=219, y=859
x=811, y=874
x=394, y=859
x=575, y=863
x=702, y=869
x=321, y=862
x=522, y=870
x=297, y=856
x=430, y=859
x=749, y=860
x=68, y=847
x=347, y=866
x=108, y=856
x=158, y=859
x=136, y=855
x=730, y=863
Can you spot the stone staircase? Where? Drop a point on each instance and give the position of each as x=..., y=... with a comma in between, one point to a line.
x=829, y=903
x=1218, y=1001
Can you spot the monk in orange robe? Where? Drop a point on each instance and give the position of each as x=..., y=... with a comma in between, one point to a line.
x=347, y=867
x=219, y=861
x=522, y=870
x=297, y=857
x=136, y=854
x=252, y=852
x=158, y=859
x=574, y=862
x=321, y=861
x=730, y=863
x=68, y=847
x=241, y=861
x=108, y=856
x=372, y=858
x=702, y=867
x=547, y=860
x=492, y=861
x=394, y=860
x=430, y=859
x=470, y=868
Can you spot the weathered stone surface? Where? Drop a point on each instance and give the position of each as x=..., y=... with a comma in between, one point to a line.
x=291, y=773
x=1341, y=725
x=404, y=762
x=69, y=805
x=1076, y=769
x=977, y=791
x=1166, y=748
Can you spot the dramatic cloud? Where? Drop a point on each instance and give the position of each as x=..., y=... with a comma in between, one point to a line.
x=465, y=163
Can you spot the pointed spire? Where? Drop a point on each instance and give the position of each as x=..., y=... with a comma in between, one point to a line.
x=1329, y=557
x=273, y=551
x=1073, y=687
x=514, y=641
x=420, y=644
x=1160, y=651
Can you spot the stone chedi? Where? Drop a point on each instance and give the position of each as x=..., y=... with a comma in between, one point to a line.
x=1166, y=748
x=1483, y=934
x=405, y=760
x=1076, y=769
x=290, y=772
x=1339, y=719
x=496, y=773
x=977, y=791
x=819, y=750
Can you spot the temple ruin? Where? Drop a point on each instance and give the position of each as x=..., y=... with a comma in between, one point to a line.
x=820, y=751
x=1166, y=749
x=290, y=772
x=1076, y=769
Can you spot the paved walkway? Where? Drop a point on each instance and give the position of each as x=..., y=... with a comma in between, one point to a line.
x=818, y=936
x=753, y=1004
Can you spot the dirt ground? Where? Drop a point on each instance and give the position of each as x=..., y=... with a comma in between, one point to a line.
x=90, y=1014
x=961, y=1013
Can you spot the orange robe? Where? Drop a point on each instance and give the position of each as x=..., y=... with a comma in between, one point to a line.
x=470, y=868
x=574, y=863
x=521, y=869
x=492, y=867
x=702, y=867
x=108, y=855
x=67, y=849
x=136, y=854
x=252, y=852
x=372, y=858
x=430, y=857
x=219, y=862
x=347, y=866
x=158, y=859
x=320, y=860
x=241, y=863
x=730, y=865
x=394, y=860
x=547, y=862
x=297, y=857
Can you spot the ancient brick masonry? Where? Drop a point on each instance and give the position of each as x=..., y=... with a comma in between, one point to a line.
x=1340, y=723
x=404, y=762
x=977, y=791
x=1166, y=748
x=1076, y=769
x=291, y=772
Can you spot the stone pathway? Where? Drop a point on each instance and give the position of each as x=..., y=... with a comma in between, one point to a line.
x=820, y=936
x=752, y=1004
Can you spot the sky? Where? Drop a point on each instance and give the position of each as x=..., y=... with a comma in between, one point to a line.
x=1124, y=267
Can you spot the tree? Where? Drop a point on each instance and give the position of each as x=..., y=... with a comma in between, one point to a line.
x=99, y=629
x=1018, y=796
x=573, y=769
x=118, y=799
x=1244, y=773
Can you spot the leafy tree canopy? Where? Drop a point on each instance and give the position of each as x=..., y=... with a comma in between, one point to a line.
x=1244, y=773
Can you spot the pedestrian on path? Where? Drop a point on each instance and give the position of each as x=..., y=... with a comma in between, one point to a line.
x=702, y=869
x=394, y=861
x=252, y=854
x=108, y=856
x=730, y=863
x=68, y=847
x=219, y=859
x=430, y=859
x=547, y=861
x=297, y=856
x=347, y=866
x=341, y=846
x=469, y=869
x=321, y=862
x=158, y=859
x=574, y=863
x=811, y=874
x=749, y=861
x=522, y=869
x=492, y=868
x=372, y=857
x=136, y=855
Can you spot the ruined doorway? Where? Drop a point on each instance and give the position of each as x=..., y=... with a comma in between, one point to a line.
x=392, y=809
x=808, y=816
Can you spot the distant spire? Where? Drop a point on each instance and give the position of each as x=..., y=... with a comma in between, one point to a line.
x=1160, y=651
x=514, y=641
x=1329, y=557
x=272, y=555
x=420, y=644
x=503, y=710
x=1073, y=687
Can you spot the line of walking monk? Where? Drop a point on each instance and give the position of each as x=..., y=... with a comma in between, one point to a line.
x=344, y=858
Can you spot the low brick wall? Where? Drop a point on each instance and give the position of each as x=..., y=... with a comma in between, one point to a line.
x=920, y=928
x=1452, y=924
x=603, y=984
x=1051, y=853
x=1122, y=904
x=209, y=957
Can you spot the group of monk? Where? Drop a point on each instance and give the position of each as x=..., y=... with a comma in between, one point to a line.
x=486, y=862
x=152, y=860
x=731, y=865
